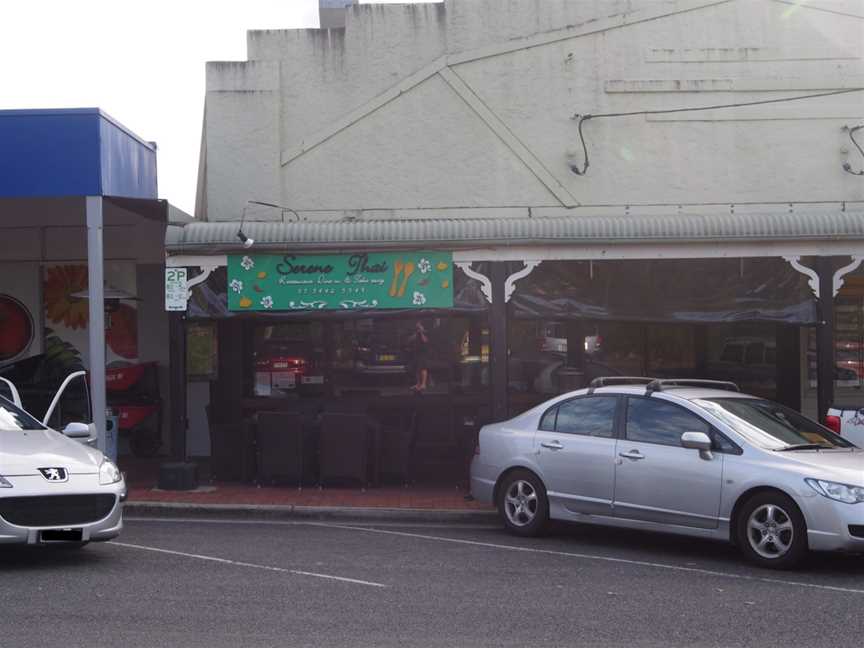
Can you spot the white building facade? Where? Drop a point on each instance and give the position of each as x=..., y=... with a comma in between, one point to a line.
x=718, y=130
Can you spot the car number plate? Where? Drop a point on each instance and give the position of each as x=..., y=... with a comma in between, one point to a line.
x=61, y=535
x=284, y=379
x=387, y=357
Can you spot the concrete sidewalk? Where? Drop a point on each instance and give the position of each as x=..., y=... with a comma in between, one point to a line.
x=141, y=509
x=249, y=501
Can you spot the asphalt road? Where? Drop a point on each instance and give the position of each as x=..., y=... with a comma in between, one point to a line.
x=240, y=583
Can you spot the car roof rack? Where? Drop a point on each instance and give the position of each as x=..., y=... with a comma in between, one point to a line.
x=619, y=380
x=662, y=384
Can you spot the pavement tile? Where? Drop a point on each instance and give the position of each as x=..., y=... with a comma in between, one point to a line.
x=386, y=497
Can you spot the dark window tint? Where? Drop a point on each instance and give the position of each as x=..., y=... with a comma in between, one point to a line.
x=654, y=421
x=593, y=416
x=722, y=444
x=547, y=423
x=769, y=424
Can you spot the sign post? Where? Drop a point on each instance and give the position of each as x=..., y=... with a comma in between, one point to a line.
x=176, y=292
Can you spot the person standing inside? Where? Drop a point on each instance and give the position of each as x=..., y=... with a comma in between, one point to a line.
x=420, y=350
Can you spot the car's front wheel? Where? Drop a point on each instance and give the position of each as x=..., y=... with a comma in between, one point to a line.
x=522, y=503
x=771, y=531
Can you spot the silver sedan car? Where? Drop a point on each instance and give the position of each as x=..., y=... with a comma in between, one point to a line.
x=54, y=489
x=695, y=458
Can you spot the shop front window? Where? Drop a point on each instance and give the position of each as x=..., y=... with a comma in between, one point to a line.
x=541, y=363
x=684, y=318
x=370, y=356
x=849, y=342
x=389, y=356
x=289, y=359
x=378, y=357
x=746, y=354
x=848, y=346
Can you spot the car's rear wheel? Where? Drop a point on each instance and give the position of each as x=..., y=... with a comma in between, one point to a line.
x=522, y=503
x=771, y=531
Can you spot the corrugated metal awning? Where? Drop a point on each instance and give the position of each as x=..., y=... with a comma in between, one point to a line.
x=464, y=233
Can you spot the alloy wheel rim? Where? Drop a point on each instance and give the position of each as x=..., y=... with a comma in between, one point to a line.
x=520, y=503
x=770, y=531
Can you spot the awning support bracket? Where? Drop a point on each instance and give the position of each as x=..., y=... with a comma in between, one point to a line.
x=206, y=271
x=510, y=282
x=485, y=282
x=206, y=263
x=841, y=273
x=813, y=280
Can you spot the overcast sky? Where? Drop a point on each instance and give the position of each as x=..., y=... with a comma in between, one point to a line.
x=141, y=62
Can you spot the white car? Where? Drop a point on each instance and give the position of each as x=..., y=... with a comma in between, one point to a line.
x=54, y=489
x=692, y=457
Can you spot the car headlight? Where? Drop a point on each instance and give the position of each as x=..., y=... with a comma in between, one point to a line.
x=4, y=483
x=109, y=473
x=840, y=492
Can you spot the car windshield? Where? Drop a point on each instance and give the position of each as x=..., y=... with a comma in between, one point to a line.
x=770, y=425
x=13, y=418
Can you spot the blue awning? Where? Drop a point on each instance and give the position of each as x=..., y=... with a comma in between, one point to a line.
x=73, y=152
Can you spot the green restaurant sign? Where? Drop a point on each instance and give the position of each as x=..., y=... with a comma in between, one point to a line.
x=262, y=282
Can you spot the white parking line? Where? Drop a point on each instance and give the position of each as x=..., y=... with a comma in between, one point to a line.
x=611, y=559
x=238, y=563
x=552, y=552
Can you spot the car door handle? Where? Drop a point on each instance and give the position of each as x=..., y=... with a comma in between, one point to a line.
x=552, y=445
x=633, y=454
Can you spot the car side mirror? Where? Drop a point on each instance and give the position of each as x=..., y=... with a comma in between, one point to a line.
x=697, y=441
x=77, y=430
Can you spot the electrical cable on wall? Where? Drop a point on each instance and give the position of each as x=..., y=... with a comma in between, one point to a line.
x=581, y=171
x=846, y=166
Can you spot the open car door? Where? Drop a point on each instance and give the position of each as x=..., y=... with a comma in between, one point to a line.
x=70, y=411
x=8, y=387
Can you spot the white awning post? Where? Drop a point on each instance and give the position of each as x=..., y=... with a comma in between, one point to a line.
x=96, y=298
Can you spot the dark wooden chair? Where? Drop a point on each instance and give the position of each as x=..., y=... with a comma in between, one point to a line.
x=348, y=403
x=398, y=428
x=280, y=446
x=434, y=444
x=344, y=448
x=232, y=451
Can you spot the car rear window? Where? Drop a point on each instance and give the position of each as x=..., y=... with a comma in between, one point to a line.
x=588, y=416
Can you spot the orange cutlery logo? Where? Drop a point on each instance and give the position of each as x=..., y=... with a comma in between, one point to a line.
x=403, y=270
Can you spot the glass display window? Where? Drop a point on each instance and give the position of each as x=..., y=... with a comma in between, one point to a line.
x=288, y=359
x=848, y=343
x=373, y=356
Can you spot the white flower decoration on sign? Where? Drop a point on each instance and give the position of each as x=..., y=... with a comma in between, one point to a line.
x=419, y=299
x=247, y=263
x=236, y=285
x=424, y=266
x=267, y=302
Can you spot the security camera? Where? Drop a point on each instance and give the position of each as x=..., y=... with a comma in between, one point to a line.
x=245, y=240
